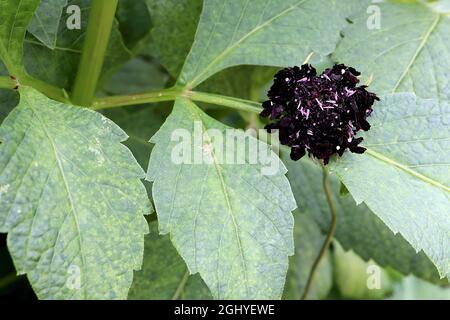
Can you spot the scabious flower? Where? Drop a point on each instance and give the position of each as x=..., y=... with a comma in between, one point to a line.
x=318, y=114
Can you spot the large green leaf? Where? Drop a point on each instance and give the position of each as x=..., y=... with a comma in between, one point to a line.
x=14, y=19
x=263, y=32
x=71, y=200
x=45, y=23
x=164, y=274
x=134, y=22
x=229, y=222
x=358, y=228
x=175, y=22
x=59, y=66
x=409, y=53
x=404, y=175
x=308, y=239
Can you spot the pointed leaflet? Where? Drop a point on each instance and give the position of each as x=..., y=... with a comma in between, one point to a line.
x=410, y=52
x=164, y=274
x=229, y=222
x=263, y=32
x=71, y=200
x=45, y=23
x=14, y=19
x=357, y=228
x=404, y=176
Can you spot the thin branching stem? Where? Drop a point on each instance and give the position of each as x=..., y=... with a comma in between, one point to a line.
x=330, y=234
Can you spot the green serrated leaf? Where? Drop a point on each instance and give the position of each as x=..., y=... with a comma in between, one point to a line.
x=61, y=169
x=263, y=32
x=358, y=228
x=164, y=274
x=59, y=66
x=229, y=222
x=14, y=19
x=408, y=53
x=404, y=175
x=45, y=23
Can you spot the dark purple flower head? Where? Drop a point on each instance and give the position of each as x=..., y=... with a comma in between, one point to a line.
x=319, y=114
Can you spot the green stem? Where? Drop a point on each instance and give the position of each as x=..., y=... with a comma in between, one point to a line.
x=52, y=92
x=171, y=94
x=181, y=286
x=332, y=228
x=49, y=90
x=101, y=19
x=134, y=99
x=234, y=103
x=7, y=83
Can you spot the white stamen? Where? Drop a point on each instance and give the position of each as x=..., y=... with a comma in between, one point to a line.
x=338, y=148
x=319, y=103
x=350, y=92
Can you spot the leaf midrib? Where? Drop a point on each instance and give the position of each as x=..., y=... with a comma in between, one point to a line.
x=66, y=185
x=413, y=173
x=418, y=51
x=226, y=195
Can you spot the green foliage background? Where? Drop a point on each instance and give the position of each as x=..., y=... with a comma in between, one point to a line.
x=396, y=214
